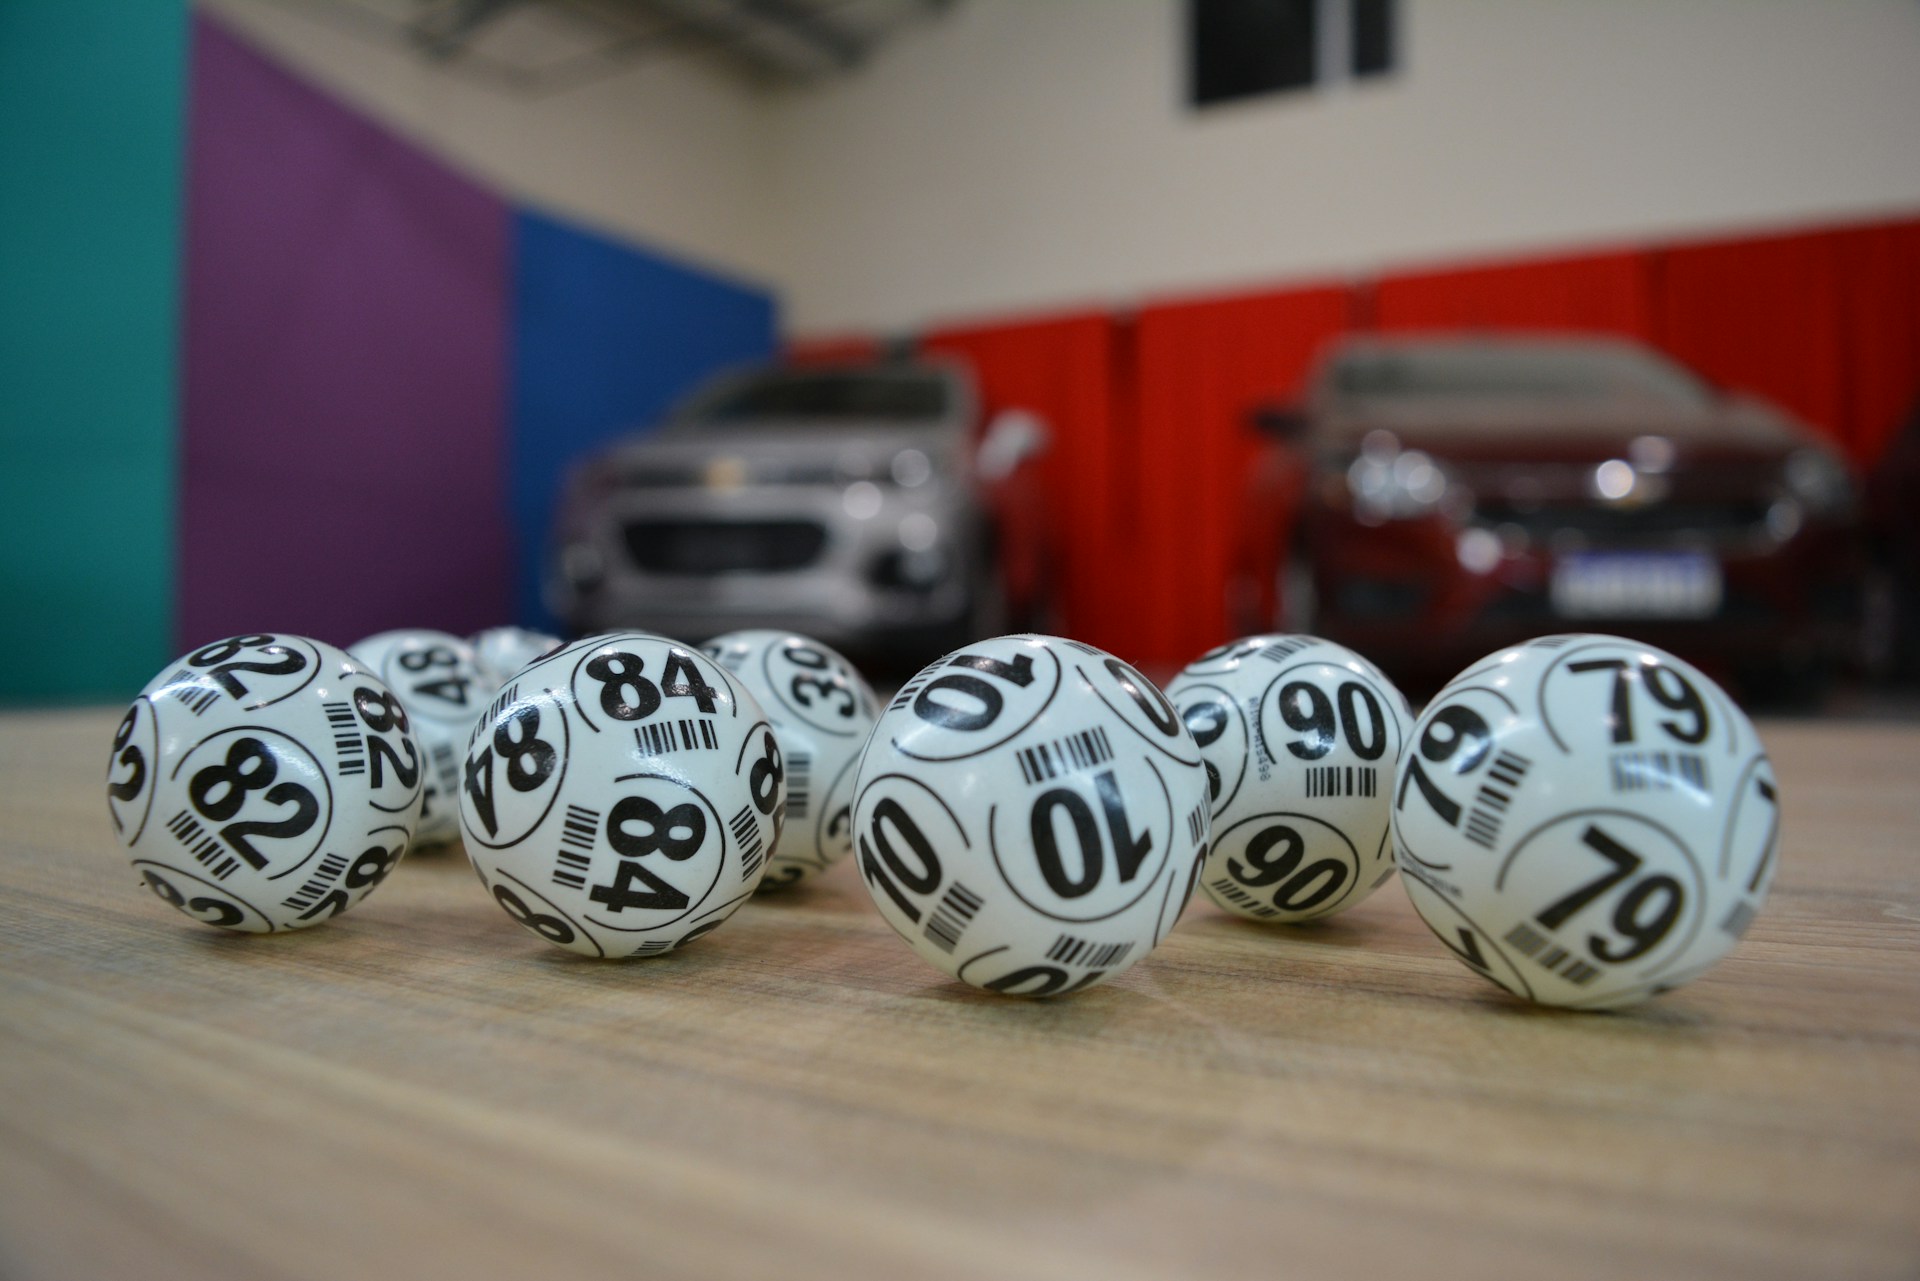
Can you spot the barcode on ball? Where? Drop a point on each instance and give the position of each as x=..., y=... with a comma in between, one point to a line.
x=1068, y=950
x=1739, y=919
x=349, y=748
x=951, y=916
x=1224, y=889
x=746, y=834
x=1044, y=762
x=1197, y=824
x=799, y=785
x=1658, y=771
x=1550, y=956
x=1281, y=650
x=653, y=947
x=1489, y=810
x=205, y=848
x=1342, y=780
x=662, y=738
x=330, y=870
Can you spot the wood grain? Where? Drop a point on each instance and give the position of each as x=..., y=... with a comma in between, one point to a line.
x=422, y=1089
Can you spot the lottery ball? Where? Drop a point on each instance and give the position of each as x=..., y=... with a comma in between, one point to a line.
x=1585, y=820
x=437, y=677
x=264, y=783
x=1030, y=814
x=620, y=795
x=822, y=712
x=502, y=651
x=1299, y=737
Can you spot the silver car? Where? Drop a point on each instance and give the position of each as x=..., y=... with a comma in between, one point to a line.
x=851, y=504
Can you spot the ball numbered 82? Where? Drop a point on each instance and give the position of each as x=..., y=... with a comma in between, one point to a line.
x=1029, y=815
x=1585, y=820
x=264, y=783
x=620, y=796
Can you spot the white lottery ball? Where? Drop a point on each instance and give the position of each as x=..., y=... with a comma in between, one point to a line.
x=502, y=651
x=1585, y=820
x=1299, y=736
x=822, y=711
x=264, y=783
x=620, y=795
x=1030, y=814
x=436, y=676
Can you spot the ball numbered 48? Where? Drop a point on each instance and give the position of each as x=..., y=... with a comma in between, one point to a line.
x=1030, y=814
x=620, y=796
x=1299, y=736
x=264, y=783
x=436, y=676
x=1585, y=820
x=822, y=711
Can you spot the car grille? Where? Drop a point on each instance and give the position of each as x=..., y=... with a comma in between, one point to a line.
x=724, y=547
x=1652, y=521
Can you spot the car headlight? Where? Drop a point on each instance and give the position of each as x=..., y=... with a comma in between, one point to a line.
x=1386, y=482
x=1819, y=480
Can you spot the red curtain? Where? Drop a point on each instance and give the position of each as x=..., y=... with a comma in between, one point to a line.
x=1064, y=369
x=1611, y=293
x=1880, y=332
x=1201, y=367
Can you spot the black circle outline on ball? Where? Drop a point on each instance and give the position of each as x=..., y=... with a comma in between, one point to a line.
x=579, y=930
x=1166, y=859
x=1388, y=719
x=1686, y=852
x=1485, y=937
x=719, y=864
x=313, y=648
x=1327, y=909
x=152, y=787
x=593, y=644
x=273, y=927
x=1247, y=731
x=1771, y=846
x=326, y=781
x=1197, y=761
x=849, y=770
x=488, y=723
x=1227, y=667
x=1059, y=677
x=1601, y=640
x=961, y=972
x=773, y=687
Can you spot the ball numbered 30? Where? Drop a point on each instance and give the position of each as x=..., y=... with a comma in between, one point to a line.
x=1585, y=820
x=1029, y=815
x=264, y=782
x=620, y=796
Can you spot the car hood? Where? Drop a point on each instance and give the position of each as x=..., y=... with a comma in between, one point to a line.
x=1556, y=432
x=791, y=451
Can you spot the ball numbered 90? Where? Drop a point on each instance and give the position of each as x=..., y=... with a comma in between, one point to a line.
x=822, y=712
x=1299, y=736
x=1585, y=820
x=620, y=796
x=1029, y=815
x=264, y=783
x=436, y=676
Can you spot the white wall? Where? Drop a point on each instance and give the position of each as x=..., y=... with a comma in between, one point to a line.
x=670, y=152
x=1029, y=154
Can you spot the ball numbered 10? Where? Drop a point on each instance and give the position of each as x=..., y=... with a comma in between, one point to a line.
x=822, y=712
x=264, y=783
x=1299, y=736
x=436, y=676
x=1029, y=815
x=620, y=796
x=1585, y=820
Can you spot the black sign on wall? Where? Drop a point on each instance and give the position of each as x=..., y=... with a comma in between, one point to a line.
x=1244, y=48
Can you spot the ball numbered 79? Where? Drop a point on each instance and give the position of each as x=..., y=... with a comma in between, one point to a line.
x=822, y=711
x=1030, y=814
x=264, y=783
x=1585, y=820
x=619, y=796
x=436, y=676
x=1299, y=736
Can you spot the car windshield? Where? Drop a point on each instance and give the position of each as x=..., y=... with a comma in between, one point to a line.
x=853, y=398
x=1518, y=372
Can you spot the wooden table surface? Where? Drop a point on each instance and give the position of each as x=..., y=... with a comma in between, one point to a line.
x=420, y=1089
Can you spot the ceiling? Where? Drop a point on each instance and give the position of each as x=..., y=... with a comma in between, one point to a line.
x=543, y=46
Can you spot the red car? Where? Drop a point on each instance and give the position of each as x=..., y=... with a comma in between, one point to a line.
x=1438, y=497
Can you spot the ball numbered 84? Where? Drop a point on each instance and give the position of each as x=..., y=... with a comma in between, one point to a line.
x=1299, y=736
x=264, y=783
x=620, y=796
x=1585, y=820
x=1029, y=815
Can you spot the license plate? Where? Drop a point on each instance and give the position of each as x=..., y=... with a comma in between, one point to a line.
x=1636, y=585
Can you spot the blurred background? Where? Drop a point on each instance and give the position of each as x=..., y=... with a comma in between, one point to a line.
x=1428, y=324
